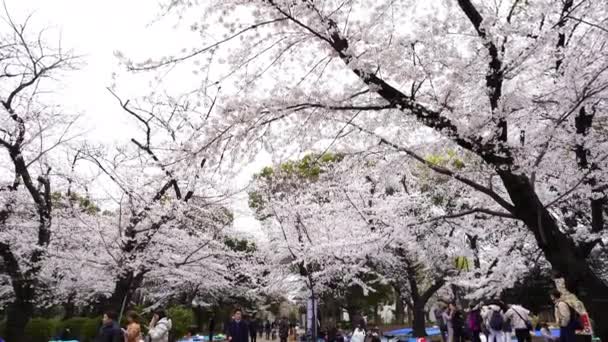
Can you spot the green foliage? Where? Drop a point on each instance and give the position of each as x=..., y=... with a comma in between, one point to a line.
x=461, y=263
x=182, y=318
x=256, y=201
x=309, y=167
x=84, y=202
x=240, y=245
x=77, y=327
x=3, y=328
x=41, y=329
x=89, y=329
x=430, y=181
x=450, y=159
x=267, y=172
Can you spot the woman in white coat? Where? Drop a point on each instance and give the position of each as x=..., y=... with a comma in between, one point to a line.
x=358, y=335
x=159, y=327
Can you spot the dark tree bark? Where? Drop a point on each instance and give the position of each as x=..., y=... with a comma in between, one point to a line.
x=124, y=288
x=399, y=307
x=69, y=308
x=567, y=259
x=419, y=298
x=560, y=250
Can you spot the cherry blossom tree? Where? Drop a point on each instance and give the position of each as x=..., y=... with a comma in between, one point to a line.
x=519, y=85
x=34, y=134
x=168, y=230
x=336, y=222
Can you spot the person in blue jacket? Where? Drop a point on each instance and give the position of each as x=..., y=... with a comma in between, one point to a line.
x=110, y=330
x=238, y=331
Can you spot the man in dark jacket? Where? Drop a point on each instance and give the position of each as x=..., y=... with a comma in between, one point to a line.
x=110, y=330
x=237, y=329
x=253, y=329
x=283, y=329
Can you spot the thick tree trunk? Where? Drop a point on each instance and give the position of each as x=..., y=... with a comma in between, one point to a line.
x=563, y=254
x=399, y=308
x=124, y=287
x=19, y=313
x=199, y=317
x=419, y=323
x=69, y=308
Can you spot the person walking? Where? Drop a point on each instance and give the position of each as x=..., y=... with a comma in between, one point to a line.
x=133, y=331
x=211, y=327
x=507, y=326
x=237, y=329
x=110, y=330
x=563, y=318
x=159, y=327
x=440, y=321
x=267, y=328
x=474, y=323
x=520, y=320
x=457, y=321
x=253, y=329
x=358, y=334
x=447, y=318
x=494, y=321
x=283, y=329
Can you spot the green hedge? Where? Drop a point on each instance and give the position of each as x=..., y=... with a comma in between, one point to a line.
x=81, y=328
x=85, y=329
x=40, y=329
x=181, y=319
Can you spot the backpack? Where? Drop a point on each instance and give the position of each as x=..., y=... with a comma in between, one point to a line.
x=458, y=321
x=496, y=321
x=474, y=322
x=575, y=319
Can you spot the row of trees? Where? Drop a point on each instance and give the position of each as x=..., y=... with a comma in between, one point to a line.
x=373, y=219
x=83, y=224
x=519, y=87
x=516, y=90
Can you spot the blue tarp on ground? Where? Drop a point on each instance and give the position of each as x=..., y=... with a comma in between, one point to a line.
x=436, y=332
x=408, y=331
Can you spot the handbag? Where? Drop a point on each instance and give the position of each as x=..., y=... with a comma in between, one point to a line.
x=527, y=321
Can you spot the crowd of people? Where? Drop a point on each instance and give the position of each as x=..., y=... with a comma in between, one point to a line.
x=499, y=322
x=236, y=329
x=159, y=328
x=495, y=320
x=240, y=330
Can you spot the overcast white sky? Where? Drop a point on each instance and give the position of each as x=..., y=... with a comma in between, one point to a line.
x=95, y=30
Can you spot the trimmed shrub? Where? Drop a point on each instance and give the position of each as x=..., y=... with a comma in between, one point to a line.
x=89, y=329
x=181, y=318
x=75, y=325
x=40, y=329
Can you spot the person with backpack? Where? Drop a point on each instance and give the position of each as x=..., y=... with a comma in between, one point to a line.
x=494, y=321
x=520, y=320
x=566, y=317
x=474, y=323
